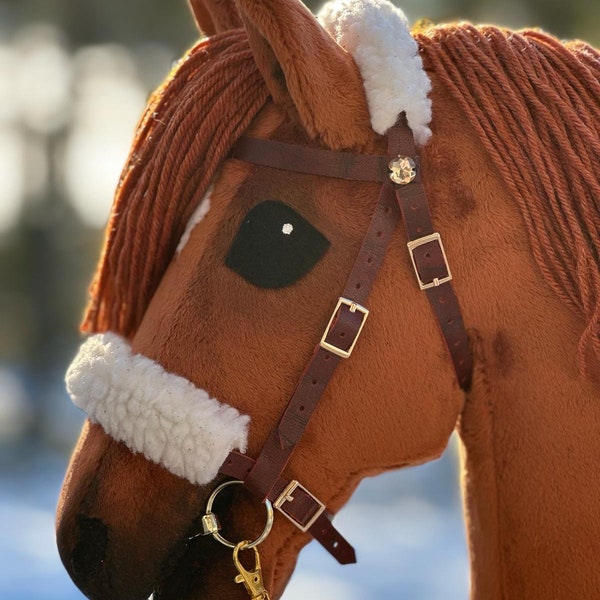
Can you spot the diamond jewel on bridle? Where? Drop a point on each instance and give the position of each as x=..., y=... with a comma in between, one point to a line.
x=403, y=170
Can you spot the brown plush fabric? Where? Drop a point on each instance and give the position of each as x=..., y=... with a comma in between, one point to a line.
x=215, y=16
x=322, y=85
x=529, y=425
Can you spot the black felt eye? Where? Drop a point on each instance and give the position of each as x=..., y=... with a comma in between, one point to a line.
x=275, y=246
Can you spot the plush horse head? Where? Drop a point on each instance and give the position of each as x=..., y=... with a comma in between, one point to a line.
x=231, y=239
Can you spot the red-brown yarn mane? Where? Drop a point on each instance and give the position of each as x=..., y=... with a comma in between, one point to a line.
x=189, y=126
x=535, y=103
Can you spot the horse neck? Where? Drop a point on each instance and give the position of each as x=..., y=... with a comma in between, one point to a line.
x=529, y=424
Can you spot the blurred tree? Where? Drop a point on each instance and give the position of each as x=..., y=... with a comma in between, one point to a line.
x=128, y=22
x=131, y=22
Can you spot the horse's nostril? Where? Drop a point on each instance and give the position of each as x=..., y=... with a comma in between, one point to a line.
x=90, y=550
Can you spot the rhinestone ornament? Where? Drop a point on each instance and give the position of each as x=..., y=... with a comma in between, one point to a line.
x=402, y=170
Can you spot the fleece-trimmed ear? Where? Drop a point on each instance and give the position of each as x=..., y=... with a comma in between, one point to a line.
x=306, y=69
x=215, y=16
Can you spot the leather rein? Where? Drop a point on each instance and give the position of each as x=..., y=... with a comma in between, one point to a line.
x=402, y=195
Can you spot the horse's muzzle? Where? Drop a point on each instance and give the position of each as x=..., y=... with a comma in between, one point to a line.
x=84, y=549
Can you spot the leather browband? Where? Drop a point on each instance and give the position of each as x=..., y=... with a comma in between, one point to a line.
x=262, y=477
x=312, y=161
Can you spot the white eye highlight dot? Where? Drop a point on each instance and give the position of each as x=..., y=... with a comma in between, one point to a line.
x=287, y=229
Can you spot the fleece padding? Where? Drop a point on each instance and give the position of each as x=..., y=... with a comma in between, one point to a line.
x=377, y=35
x=158, y=414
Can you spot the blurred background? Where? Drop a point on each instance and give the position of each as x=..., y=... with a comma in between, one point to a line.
x=74, y=78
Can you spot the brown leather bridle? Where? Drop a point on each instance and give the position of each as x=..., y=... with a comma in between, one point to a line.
x=263, y=477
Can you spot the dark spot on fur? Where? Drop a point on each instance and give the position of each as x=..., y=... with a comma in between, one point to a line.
x=463, y=200
x=503, y=353
x=278, y=75
x=444, y=173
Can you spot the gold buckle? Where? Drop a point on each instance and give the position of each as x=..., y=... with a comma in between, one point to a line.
x=286, y=496
x=434, y=237
x=353, y=307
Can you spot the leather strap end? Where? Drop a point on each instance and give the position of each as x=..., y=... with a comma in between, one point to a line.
x=331, y=539
x=308, y=514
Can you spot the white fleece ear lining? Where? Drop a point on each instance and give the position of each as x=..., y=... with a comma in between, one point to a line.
x=377, y=35
x=158, y=414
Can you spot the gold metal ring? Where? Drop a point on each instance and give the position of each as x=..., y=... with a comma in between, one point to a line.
x=261, y=538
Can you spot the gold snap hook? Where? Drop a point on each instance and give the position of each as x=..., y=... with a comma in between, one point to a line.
x=252, y=580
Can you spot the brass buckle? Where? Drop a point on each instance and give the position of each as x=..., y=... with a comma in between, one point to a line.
x=353, y=307
x=434, y=237
x=287, y=496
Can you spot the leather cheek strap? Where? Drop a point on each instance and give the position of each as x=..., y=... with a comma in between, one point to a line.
x=262, y=477
x=431, y=264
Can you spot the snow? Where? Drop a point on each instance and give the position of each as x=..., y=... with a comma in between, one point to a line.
x=406, y=527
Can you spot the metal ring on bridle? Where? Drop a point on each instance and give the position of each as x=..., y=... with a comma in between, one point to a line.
x=261, y=538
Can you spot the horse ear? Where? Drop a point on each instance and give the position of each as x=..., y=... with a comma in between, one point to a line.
x=305, y=69
x=215, y=16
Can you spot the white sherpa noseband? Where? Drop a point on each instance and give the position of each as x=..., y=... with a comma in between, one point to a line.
x=377, y=35
x=158, y=414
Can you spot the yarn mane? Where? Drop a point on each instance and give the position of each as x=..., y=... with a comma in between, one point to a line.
x=534, y=103
x=190, y=125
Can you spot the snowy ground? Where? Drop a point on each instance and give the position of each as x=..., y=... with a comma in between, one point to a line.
x=405, y=526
